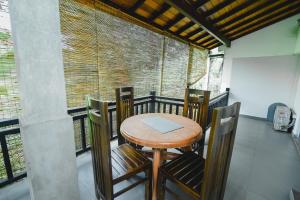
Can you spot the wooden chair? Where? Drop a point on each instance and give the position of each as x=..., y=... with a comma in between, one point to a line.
x=124, y=109
x=206, y=179
x=196, y=108
x=116, y=165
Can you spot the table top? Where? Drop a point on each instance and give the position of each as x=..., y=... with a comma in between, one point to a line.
x=135, y=130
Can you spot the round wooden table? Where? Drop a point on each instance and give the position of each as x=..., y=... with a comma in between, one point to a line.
x=135, y=130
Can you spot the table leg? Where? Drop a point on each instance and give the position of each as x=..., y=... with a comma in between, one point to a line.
x=156, y=163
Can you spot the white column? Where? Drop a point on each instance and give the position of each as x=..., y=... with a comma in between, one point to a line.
x=297, y=45
x=46, y=129
x=296, y=107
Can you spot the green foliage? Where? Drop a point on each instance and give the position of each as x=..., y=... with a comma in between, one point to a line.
x=9, y=55
x=4, y=36
x=7, y=62
x=3, y=90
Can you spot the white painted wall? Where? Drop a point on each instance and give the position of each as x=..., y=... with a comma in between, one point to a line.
x=297, y=102
x=297, y=45
x=277, y=40
x=260, y=81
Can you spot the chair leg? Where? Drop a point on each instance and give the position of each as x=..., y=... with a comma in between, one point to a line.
x=97, y=196
x=97, y=193
x=148, y=184
x=161, y=186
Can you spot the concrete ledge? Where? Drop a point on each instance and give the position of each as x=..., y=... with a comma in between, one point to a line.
x=253, y=117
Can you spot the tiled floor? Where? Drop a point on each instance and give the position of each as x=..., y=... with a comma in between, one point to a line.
x=265, y=166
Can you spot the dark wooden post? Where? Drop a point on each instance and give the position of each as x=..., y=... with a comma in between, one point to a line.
x=227, y=99
x=152, y=102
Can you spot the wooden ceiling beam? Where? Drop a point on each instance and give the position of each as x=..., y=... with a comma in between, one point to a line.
x=174, y=21
x=261, y=16
x=248, y=13
x=194, y=32
x=185, y=27
x=137, y=4
x=200, y=3
x=131, y=13
x=233, y=11
x=210, y=42
x=190, y=12
x=218, y=7
x=146, y=20
x=261, y=21
x=200, y=36
x=206, y=40
x=159, y=12
x=214, y=45
x=241, y=34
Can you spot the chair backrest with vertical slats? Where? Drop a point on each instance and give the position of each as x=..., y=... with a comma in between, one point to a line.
x=100, y=147
x=124, y=107
x=196, y=108
x=92, y=104
x=220, y=146
x=196, y=105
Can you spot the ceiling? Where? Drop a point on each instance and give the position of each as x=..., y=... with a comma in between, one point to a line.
x=207, y=23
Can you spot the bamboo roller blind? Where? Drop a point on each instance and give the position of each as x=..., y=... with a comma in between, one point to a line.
x=102, y=52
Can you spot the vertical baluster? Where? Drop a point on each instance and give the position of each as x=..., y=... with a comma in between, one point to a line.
x=195, y=111
x=152, y=102
x=199, y=112
x=158, y=107
x=110, y=124
x=82, y=132
x=135, y=110
x=122, y=110
x=190, y=111
x=128, y=113
x=6, y=158
x=128, y=108
x=170, y=108
x=164, y=107
x=125, y=109
x=147, y=108
x=142, y=108
x=177, y=109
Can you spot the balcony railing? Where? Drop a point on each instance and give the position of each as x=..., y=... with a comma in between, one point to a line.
x=12, y=166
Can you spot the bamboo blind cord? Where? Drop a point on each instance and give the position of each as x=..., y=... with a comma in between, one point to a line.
x=163, y=48
x=197, y=65
x=190, y=64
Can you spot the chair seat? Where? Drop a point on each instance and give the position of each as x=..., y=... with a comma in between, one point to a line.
x=127, y=161
x=187, y=170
